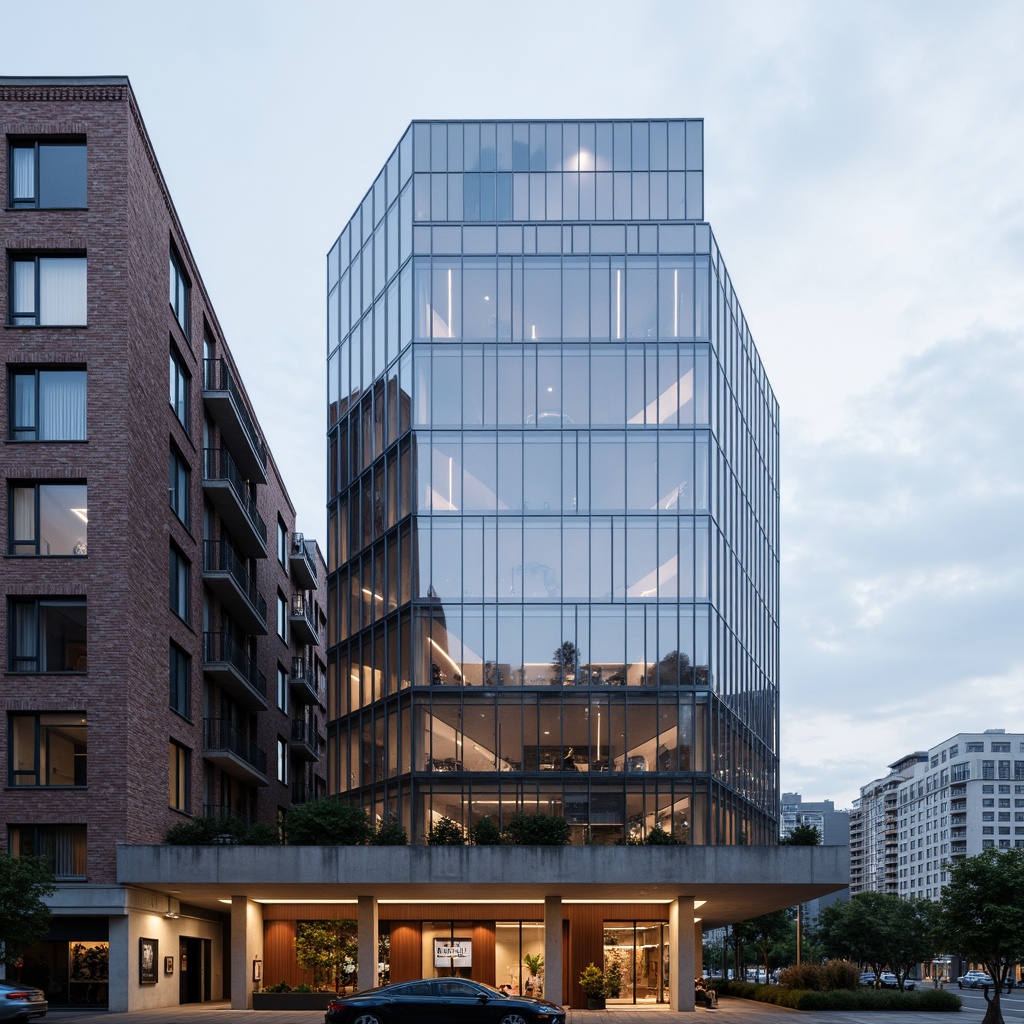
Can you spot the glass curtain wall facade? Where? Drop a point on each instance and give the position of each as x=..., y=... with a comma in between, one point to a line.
x=553, y=492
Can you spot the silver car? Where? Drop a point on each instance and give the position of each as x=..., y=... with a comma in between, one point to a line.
x=21, y=1002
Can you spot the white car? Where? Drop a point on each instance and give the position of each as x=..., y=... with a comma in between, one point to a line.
x=974, y=979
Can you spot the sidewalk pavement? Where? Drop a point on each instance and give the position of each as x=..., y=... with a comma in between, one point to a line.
x=730, y=1011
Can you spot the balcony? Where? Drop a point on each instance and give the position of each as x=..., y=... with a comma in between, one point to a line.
x=233, y=752
x=224, y=573
x=224, y=400
x=302, y=620
x=223, y=812
x=226, y=490
x=303, y=682
x=303, y=743
x=226, y=663
x=302, y=562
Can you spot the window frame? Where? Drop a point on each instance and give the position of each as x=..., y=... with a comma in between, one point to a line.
x=39, y=602
x=179, y=293
x=35, y=372
x=282, y=616
x=179, y=673
x=36, y=145
x=282, y=760
x=179, y=777
x=179, y=573
x=33, y=317
x=13, y=773
x=77, y=832
x=37, y=524
x=283, y=695
x=282, y=542
x=179, y=390
x=179, y=486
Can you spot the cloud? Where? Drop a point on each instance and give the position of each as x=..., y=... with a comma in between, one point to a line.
x=903, y=566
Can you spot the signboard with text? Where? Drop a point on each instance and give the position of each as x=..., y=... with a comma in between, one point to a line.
x=453, y=952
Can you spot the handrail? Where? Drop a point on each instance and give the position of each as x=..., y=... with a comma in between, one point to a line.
x=217, y=376
x=219, y=465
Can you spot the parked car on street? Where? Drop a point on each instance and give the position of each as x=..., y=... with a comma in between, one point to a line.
x=440, y=1000
x=974, y=979
x=889, y=980
x=21, y=1002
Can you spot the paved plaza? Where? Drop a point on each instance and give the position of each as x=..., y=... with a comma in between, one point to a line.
x=730, y=1011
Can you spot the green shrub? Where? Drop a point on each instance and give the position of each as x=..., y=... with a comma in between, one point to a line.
x=858, y=1000
x=327, y=822
x=657, y=836
x=390, y=833
x=826, y=977
x=281, y=986
x=445, y=832
x=485, y=833
x=261, y=834
x=537, y=830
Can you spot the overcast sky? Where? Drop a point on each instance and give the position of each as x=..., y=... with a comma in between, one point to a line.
x=864, y=179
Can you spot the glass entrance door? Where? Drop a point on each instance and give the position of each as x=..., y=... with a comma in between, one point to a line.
x=635, y=954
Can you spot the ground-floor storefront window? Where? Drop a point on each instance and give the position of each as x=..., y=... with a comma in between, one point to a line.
x=636, y=961
x=70, y=972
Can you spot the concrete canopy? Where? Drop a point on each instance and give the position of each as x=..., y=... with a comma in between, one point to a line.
x=734, y=882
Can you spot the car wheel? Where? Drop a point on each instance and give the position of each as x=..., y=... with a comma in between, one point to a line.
x=959, y=984
x=512, y=1018
x=367, y=1018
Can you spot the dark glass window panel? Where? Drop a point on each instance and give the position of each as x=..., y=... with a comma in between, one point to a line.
x=510, y=473
x=641, y=472
x=480, y=472
x=642, y=300
x=607, y=397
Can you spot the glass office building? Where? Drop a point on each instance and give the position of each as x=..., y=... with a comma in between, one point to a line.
x=553, y=492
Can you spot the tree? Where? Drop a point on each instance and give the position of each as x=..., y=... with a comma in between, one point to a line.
x=764, y=933
x=802, y=835
x=389, y=833
x=981, y=916
x=327, y=822
x=326, y=948
x=485, y=833
x=566, y=661
x=911, y=935
x=24, y=918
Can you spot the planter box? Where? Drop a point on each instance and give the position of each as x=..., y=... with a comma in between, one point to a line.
x=291, y=1000
x=595, y=1002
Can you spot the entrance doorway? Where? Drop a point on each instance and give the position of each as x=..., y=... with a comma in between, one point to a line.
x=636, y=961
x=194, y=973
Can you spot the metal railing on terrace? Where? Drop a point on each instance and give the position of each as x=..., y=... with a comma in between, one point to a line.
x=219, y=465
x=217, y=376
x=219, y=557
x=223, y=734
x=221, y=648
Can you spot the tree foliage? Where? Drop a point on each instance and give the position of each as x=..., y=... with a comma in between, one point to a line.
x=485, y=833
x=981, y=916
x=24, y=918
x=213, y=831
x=802, y=835
x=326, y=948
x=445, y=832
x=880, y=930
x=537, y=830
x=390, y=833
x=764, y=933
x=327, y=822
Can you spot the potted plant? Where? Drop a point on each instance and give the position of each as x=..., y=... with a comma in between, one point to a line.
x=592, y=981
x=613, y=978
x=534, y=985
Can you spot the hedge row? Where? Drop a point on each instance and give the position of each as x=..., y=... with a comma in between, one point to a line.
x=863, y=999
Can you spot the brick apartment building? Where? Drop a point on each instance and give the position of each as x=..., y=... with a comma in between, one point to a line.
x=163, y=620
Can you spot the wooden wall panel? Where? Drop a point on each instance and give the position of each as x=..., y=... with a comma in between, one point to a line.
x=406, y=951
x=483, y=953
x=279, y=955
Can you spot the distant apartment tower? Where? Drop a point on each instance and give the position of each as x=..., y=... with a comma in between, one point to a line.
x=553, y=491
x=163, y=620
x=874, y=830
x=965, y=796
x=833, y=826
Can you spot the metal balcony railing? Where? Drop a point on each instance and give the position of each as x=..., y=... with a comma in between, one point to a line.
x=219, y=557
x=222, y=734
x=220, y=648
x=219, y=465
x=302, y=561
x=217, y=376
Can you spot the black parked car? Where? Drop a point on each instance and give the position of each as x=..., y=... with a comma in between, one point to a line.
x=440, y=1000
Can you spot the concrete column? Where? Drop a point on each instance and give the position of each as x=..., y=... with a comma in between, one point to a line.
x=246, y=946
x=553, y=949
x=680, y=937
x=698, y=949
x=367, y=977
x=119, y=969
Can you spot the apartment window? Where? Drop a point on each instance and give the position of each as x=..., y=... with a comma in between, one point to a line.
x=988, y=844
x=180, y=571
x=180, y=776
x=954, y=750
x=47, y=634
x=63, y=846
x=47, y=405
x=180, y=476
x=47, y=749
x=282, y=689
x=47, y=175
x=988, y=769
x=282, y=760
x=179, y=292
x=282, y=542
x=1000, y=748
x=180, y=681
x=48, y=519
x=179, y=390
x=282, y=616
x=975, y=748
x=47, y=291
x=1004, y=771
x=960, y=772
